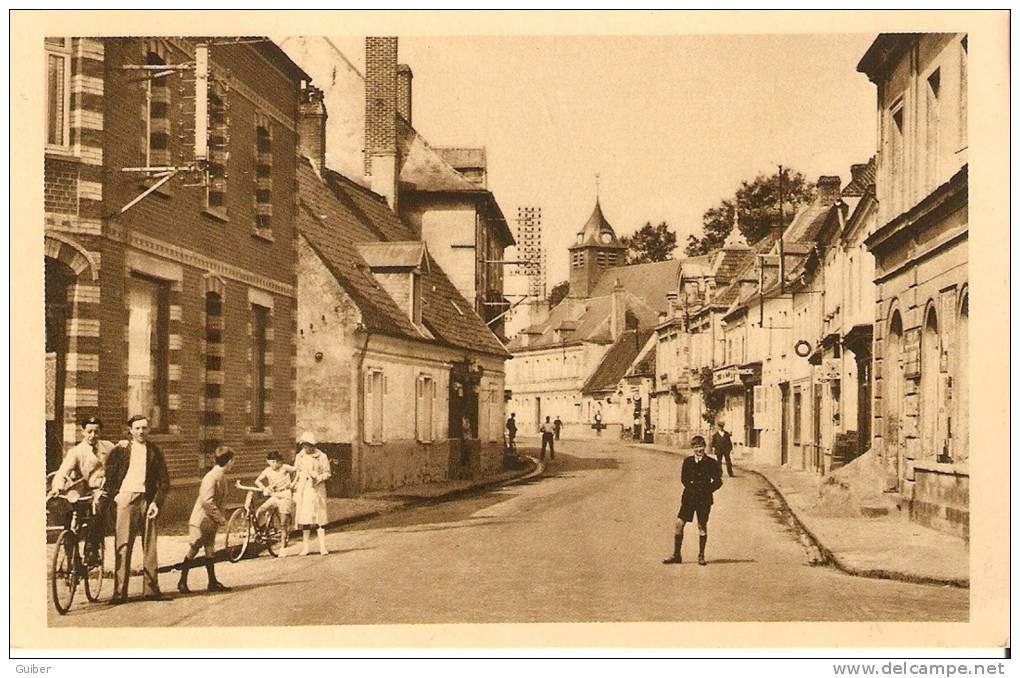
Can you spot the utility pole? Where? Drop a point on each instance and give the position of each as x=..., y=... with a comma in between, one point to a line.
x=782, y=254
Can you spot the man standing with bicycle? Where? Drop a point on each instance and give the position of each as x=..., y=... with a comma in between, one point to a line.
x=206, y=518
x=88, y=460
x=137, y=479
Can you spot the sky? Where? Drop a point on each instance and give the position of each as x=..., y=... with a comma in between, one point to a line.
x=671, y=124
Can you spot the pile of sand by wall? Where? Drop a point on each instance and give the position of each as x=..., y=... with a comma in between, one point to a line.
x=845, y=490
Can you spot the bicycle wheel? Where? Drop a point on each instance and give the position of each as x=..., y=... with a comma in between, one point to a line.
x=272, y=532
x=64, y=571
x=237, y=535
x=95, y=572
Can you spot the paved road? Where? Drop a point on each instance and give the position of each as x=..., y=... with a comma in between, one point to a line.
x=582, y=544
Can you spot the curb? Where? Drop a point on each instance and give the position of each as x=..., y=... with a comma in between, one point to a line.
x=537, y=470
x=828, y=556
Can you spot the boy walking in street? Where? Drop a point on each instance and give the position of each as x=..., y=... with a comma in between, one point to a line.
x=206, y=518
x=701, y=477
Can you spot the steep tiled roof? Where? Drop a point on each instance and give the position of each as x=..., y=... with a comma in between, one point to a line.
x=424, y=169
x=862, y=177
x=616, y=361
x=650, y=282
x=337, y=221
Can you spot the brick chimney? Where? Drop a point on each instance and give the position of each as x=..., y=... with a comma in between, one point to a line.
x=381, y=116
x=827, y=190
x=312, y=124
x=618, y=310
x=404, y=78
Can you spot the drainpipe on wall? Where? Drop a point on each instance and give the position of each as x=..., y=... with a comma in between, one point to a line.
x=359, y=415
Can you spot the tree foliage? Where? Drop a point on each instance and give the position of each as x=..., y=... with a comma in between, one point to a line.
x=713, y=398
x=757, y=204
x=558, y=292
x=650, y=243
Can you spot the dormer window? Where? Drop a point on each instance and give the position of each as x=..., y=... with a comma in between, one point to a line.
x=398, y=267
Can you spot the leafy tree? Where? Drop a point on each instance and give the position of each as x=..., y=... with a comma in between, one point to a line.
x=558, y=292
x=757, y=204
x=713, y=398
x=650, y=243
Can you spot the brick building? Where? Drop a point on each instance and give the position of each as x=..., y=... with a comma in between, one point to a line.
x=182, y=306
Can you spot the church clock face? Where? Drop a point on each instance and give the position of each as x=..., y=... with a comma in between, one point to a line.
x=607, y=238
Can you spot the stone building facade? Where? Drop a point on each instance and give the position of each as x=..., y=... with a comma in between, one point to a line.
x=921, y=264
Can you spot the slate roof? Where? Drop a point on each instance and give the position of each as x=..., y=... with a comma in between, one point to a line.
x=593, y=228
x=616, y=361
x=336, y=217
x=644, y=297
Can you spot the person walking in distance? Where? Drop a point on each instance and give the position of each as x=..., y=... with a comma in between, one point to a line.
x=137, y=479
x=206, y=518
x=548, y=433
x=511, y=431
x=722, y=446
x=312, y=468
x=557, y=425
x=701, y=476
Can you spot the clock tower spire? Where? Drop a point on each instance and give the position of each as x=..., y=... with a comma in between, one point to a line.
x=595, y=249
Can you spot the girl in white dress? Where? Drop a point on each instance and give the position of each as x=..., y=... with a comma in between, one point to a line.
x=312, y=467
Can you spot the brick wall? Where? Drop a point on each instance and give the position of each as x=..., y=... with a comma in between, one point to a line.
x=380, y=95
x=60, y=193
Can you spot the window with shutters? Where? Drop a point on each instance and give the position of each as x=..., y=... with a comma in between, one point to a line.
x=796, y=415
x=219, y=155
x=58, y=97
x=425, y=396
x=375, y=389
x=148, y=349
x=263, y=175
x=157, y=114
x=496, y=421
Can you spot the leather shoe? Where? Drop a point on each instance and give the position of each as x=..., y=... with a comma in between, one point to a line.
x=217, y=586
x=183, y=587
x=701, y=560
x=158, y=597
x=117, y=601
x=672, y=560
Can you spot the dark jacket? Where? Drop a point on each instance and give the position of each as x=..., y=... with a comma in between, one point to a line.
x=700, y=478
x=157, y=480
x=511, y=426
x=722, y=443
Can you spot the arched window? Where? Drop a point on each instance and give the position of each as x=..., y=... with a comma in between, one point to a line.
x=892, y=395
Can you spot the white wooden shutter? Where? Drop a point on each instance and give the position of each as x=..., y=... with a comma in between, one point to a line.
x=759, y=407
x=419, y=407
x=368, y=407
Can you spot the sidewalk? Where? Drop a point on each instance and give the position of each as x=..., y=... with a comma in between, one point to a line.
x=883, y=547
x=173, y=540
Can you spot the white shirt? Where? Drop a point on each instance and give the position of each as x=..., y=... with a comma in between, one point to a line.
x=134, y=479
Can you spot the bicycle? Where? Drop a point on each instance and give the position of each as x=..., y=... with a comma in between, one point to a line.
x=243, y=528
x=72, y=560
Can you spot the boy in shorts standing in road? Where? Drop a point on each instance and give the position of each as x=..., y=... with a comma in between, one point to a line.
x=701, y=477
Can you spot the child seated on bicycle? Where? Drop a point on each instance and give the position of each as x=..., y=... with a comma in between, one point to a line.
x=277, y=483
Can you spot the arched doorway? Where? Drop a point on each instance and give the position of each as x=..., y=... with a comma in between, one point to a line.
x=59, y=280
x=931, y=349
x=892, y=395
x=961, y=393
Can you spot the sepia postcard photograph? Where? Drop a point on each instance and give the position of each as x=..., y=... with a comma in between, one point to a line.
x=510, y=329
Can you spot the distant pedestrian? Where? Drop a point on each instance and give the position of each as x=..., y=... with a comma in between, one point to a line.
x=598, y=423
x=722, y=446
x=511, y=431
x=557, y=425
x=637, y=426
x=310, y=510
x=701, y=476
x=137, y=479
x=206, y=518
x=548, y=435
